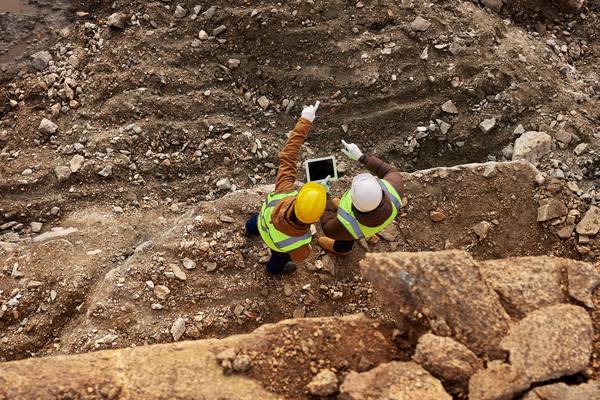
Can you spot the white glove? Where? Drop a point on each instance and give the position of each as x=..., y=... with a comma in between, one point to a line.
x=310, y=112
x=351, y=151
x=327, y=183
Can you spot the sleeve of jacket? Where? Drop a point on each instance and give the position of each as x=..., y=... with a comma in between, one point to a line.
x=300, y=254
x=288, y=157
x=331, y=226
x=383, y=170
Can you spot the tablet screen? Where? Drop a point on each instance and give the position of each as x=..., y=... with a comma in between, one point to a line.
x=321, y=169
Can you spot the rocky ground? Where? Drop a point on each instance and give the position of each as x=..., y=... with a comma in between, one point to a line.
x=136, y=137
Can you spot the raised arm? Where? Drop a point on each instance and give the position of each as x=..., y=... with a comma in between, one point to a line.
x=288, y=157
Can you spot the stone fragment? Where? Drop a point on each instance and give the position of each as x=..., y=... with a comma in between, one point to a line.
x=161, y=292
x=552, y=209
x=242, y=363
x=446, y=359
x=420, y=24
x=224, y=184
x=580, y=148
x=202, y=35
x=562, y=391
x=437, y=216
x=218, y=30
x=189, y=264
x=487, y=125
x=55, y=233
x=264, y=102
x=62, y=172
x=106, y=171
x=180, y=12
x=41, y=59
x=178, y=329
x=430, y=283
x=449, y=107
x=47, y=127
x=482, y=229
x=498, y=381
x=583, y=280
x=531, y=146
x=76, y=162
x=178, y=272
x=590, y=223
x=36, y=227
x=117, y=20
x=324, y=384
x=550, y=343
x=394, y=380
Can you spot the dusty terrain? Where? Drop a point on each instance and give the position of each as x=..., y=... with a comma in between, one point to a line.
x=113, y=226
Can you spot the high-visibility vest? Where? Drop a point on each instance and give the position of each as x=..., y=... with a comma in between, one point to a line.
x=359, y=231
x=275, y=239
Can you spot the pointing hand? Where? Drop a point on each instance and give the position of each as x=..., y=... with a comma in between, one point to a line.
x=310, y=112
x=351, y=151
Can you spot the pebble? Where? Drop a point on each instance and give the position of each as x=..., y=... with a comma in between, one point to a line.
x=178, y=329
x=420, y=24
x=449, y=107
x=325, y=383
x=117, y=20
x=106, y=171
x=224, y=184
x=487, y=125
x=580, y=148
x=76, y=162
x=189, y=264
x=425, y=53
x=48, y=127
x=178, y=272
x=437, y=216
x=218, y=30
x=203, y=35
x=242, y=363
x=36, y=227
x=62, y=172
x=264, y=102
x=482, y=229
x=180, y=12
x=161, y=292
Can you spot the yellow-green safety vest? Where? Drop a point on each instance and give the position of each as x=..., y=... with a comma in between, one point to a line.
x=346, y=216
x=275, y=239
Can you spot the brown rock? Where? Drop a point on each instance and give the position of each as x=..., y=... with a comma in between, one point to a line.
x=583, y=280
x=498, y=381
x=525, y=284
x=482, y=229
x=446, y=359
x=395, y=380
x=437, y=216
x=561, y=391
x=552, y=209
x=445, y=285
x=590, y=223
x=551, y=342
x=325, y=383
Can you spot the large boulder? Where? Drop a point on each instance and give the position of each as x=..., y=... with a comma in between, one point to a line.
x=447, y=289
x=391, y=381
x=446, y=359
x=562, y=391
x=525, y=284
x=551, y=342
x=498, y=381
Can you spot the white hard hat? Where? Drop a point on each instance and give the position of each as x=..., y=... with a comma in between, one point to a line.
x=366, y=192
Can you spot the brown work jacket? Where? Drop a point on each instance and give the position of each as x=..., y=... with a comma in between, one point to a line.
x=283, y=216
x=334, y=229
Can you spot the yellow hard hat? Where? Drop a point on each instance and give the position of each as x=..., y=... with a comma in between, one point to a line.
x=310, y=202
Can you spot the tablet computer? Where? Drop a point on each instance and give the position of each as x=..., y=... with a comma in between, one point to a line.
x=318, y=169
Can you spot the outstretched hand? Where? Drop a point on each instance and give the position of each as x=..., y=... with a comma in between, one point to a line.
x=310, y=112
x=351, y=151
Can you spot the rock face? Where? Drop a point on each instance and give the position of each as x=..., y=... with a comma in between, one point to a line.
x=395, y=380
x=445, y=287
x=551, y=342
x=525, y=284
x=561, y=391
x=446, y=359
x=531, y=146
x=498, y=381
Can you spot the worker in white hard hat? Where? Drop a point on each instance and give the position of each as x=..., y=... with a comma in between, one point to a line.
x=371, y=204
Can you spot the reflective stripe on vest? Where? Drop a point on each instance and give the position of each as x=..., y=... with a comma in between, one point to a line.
x=273, y=238
x=351, y=223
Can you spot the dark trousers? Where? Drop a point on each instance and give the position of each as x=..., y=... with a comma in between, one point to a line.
x=278, y=260
x=343, y=246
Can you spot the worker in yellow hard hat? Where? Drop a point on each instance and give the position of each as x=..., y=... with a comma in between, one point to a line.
x=286, y=215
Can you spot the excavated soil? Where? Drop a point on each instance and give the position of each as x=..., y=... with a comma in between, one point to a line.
x=172, y=114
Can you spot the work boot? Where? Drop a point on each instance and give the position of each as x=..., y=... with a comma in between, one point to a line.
x=327, y=244
x=288, y=268
x=336, y=202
